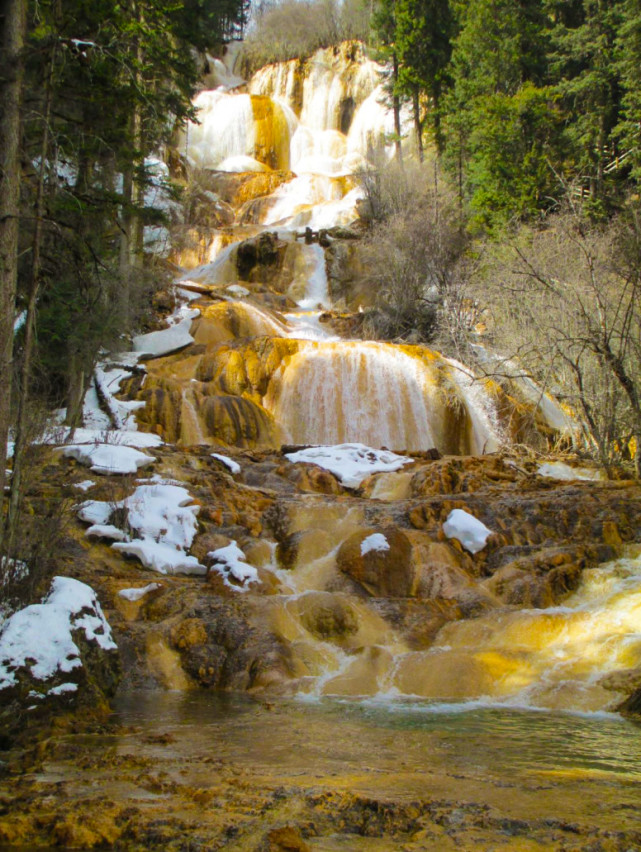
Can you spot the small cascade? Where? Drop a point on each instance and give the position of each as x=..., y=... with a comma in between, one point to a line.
x=378, y=394
x=226, y=321
x=239, y=133
x=557, y=658
x=332, y=93
x=191, y=428
x=486, y=433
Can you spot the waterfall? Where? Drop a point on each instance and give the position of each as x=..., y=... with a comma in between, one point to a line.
x=332, y=393
x=268, y=368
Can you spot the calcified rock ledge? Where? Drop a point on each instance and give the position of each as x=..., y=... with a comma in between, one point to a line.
x=155, y=781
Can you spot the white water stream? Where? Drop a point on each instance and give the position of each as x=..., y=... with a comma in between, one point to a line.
x=332, y=391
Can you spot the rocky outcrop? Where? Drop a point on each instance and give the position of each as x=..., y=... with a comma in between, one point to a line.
x=380, y=561
x=56, y=657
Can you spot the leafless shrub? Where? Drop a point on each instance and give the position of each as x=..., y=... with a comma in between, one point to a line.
x=414, y=254
x=292, y=29
x=565, y=302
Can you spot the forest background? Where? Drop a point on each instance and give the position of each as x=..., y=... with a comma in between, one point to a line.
x=517, y=210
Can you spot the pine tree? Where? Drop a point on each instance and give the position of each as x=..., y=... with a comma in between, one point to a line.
x=586, y=73
x=423, y=36
x=502, y=126
x=629, y=52
x=384, y=27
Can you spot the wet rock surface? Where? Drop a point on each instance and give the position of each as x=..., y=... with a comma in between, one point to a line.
x=263, y=776
x=193, y=633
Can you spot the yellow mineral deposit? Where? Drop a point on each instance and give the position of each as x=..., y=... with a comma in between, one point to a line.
x=258, y=377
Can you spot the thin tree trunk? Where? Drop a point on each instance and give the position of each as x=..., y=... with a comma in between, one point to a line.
x=21, y=437
x=13, y=24
x=126, y=235
x=131, y=241
x=396, y=106
x=418, y=124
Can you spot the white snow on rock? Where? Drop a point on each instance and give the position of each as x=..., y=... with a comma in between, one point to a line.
x=117, y=438
x=163, y=512
x=170, y=339
x=376, y=541
x=40, y=637
x=85, y=485
x=108, y=458
x=95, y=512
x=108, y=531
x=63, y=688
x=161, y=557
x=351, y=463
x=233, y=466
x=138, y=594
x=472, y=533
x=162, y=523
x=565, y=472
x=120, y=414
x=230, y=563
x=237, y=291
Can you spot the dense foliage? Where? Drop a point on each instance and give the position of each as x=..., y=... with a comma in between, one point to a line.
x=88, y=92
x=534, y=111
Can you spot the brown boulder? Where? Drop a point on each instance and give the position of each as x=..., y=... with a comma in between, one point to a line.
x=286, y=839
x=382, y=573
x=328, y=616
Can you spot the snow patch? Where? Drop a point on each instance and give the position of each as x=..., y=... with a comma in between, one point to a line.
x=12, y=569
x=177, y=336
x=472, y=533
x=162, y=523
x=138, y=594
x=376, y=541
x=161, y=557
x=19, y=321
x=125, y=438
x=351, y=463
x=233, y=466
x=108, y=531
x=230, y=563
x=108, y=458
x=565, y=472
x=63, y=688
x=85, y=485
x=40, y=637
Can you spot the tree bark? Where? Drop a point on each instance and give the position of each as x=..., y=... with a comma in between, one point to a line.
x=21, y=437
x=418, y=124
x=13, y=27
x=396, y=106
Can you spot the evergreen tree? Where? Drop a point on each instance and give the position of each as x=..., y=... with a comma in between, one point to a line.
x=501, y=123
x=424, y=32
x=384, y=27
x=586, y=73
x=629, y=45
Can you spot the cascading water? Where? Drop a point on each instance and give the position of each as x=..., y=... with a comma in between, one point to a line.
x=334, y=393
x=323, y=120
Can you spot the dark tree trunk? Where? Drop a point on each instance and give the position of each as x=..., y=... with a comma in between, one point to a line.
x=396, y=105
x=13, y=26
x=418, y=124
x=21, y=436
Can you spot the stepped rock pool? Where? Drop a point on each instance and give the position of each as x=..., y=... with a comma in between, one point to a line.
x=210, y=771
